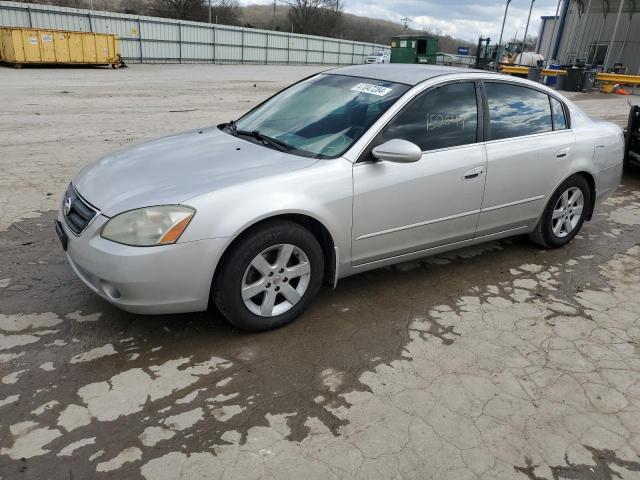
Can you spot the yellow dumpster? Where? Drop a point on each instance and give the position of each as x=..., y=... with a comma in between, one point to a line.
x=21, y=46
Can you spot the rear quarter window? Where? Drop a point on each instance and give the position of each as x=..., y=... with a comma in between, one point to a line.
x=516, y=111
x=559, y=117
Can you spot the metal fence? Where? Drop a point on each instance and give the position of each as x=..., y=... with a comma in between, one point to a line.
x=159, y=40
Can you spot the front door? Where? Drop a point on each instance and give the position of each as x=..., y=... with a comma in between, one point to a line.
x=402, y=208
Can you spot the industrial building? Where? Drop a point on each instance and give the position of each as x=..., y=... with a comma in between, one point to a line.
x=602, y=33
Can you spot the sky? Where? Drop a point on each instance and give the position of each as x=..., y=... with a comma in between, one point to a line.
x=465, y=19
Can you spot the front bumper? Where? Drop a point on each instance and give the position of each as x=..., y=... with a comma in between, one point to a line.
x=148, y=280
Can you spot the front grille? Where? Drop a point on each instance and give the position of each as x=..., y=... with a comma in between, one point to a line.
x=76, y=211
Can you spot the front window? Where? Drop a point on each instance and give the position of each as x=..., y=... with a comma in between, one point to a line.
x=444, y=117
x=323, y=116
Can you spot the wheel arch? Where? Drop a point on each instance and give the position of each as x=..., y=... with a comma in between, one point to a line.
x=315, y=226
x=592, y=185
x=588, y=176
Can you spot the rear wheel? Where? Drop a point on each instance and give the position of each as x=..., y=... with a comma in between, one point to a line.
x=564, y=215
x=269, y=277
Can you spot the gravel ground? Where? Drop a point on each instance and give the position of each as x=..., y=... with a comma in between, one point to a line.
x=501, y=361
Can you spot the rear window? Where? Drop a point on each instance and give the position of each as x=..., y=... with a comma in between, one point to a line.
x=516, y=111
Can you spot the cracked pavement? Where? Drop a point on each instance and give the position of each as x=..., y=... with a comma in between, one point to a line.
x=500, y=361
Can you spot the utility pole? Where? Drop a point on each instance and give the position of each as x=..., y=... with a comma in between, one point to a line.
x=209, y=11
x=273, y=19
x=406, y=21
x=504, y=19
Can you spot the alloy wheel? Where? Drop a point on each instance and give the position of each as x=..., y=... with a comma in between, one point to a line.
x=275, y=280
x=567, y=212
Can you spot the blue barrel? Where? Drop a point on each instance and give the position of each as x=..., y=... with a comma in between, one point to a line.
x=552, y=80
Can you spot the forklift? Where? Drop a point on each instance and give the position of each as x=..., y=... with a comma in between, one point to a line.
x=632, y=138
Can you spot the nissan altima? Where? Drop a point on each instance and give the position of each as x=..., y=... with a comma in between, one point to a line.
x=345, y=171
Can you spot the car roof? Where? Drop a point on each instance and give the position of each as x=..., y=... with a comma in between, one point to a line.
x=409, y=74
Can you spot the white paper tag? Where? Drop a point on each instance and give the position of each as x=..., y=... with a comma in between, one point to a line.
x=371, y=89
x=46, y=38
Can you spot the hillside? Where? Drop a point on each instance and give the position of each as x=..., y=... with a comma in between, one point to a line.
x=349, y=26
x=354, y=27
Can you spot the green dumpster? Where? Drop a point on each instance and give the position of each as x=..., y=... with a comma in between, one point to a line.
x=414, y=49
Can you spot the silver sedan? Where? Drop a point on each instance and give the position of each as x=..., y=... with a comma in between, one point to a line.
x=346, y=171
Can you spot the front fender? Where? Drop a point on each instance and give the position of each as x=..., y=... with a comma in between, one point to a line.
x=322, y=191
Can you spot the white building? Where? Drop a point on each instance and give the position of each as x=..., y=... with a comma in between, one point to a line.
x=600, y=32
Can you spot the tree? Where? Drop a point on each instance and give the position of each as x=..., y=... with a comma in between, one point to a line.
x=315, y=17
x=182, y=9
x=224, y=11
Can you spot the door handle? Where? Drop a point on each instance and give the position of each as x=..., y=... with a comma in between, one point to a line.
x=473, y=173
x=562, y=153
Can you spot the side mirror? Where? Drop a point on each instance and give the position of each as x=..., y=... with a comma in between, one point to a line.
x=399, y=151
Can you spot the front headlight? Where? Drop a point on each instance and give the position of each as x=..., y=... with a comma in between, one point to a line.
x=146, y=227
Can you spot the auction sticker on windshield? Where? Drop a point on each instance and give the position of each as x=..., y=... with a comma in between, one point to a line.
x=371, y=89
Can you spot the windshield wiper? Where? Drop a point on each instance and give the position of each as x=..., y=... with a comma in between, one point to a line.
x=265, y=139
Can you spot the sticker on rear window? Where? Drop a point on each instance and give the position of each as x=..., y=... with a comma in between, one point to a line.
x=371, y=89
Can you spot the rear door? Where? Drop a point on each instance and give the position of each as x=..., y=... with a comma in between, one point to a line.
x=528, y=153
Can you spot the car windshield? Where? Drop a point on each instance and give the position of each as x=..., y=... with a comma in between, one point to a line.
x=320, y=117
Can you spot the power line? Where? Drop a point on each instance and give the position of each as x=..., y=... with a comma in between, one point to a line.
x=406, y=21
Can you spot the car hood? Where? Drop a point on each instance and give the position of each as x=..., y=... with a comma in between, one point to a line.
x=172, y=169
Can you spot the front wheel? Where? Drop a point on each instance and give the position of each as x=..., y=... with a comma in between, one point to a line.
x=269, y=276
x=564, y=215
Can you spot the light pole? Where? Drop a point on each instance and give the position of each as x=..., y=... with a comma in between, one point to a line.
x=504, y=19
x=273, y=18
x=553, y=32
x=526, y=30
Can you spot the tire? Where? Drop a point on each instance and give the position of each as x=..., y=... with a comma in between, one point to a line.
x=288, y=287
x=549, y=233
